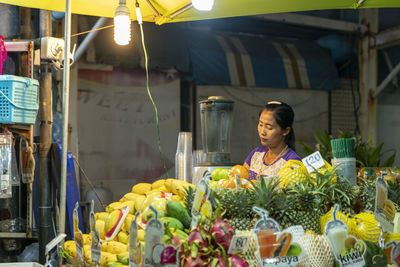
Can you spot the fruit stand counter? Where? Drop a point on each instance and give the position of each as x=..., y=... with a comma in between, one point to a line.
x=297, y=209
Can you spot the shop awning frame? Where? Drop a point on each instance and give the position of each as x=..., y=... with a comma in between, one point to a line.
x=222, y=8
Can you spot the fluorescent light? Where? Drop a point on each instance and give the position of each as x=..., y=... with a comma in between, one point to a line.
x=122, y=24
x=203, y=5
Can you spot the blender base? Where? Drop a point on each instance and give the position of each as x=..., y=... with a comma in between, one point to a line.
x=200, y=171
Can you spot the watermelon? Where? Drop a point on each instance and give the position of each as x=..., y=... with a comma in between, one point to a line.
x=374, y=256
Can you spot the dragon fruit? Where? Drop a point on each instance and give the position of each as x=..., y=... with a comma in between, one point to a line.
x=190, y=262
x=236, y=261
x=190, y=256
x=198, y=237
x=218, y=261
x=168, y=255
x=207, y=245
x=222, y=233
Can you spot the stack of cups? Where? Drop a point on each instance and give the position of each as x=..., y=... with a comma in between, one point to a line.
x=183, y=157
x=343, y=160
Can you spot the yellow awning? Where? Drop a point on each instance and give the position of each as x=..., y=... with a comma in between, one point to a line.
x=222, y=8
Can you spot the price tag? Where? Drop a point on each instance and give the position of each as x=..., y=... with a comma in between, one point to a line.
x=239, y=244
x=384, y=208
x=135, y=247
x=78, y=237
x=154, y=232
x=200, y=197
x=313, y=162
x=95, y=247
x=237, y=181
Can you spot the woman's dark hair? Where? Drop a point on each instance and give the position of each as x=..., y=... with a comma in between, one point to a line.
x=284, y=116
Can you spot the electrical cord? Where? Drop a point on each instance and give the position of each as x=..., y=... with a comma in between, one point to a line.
x=151, y=98
x=93, y=30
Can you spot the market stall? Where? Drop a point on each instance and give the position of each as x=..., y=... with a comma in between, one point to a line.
x=303, y=196
x=315, y=218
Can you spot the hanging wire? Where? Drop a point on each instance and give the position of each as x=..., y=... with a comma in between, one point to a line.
x=92, y=30
x=88, y=181
x=151, y=99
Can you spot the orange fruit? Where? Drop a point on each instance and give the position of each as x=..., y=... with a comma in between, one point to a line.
x=240, y=170
x=226, y=183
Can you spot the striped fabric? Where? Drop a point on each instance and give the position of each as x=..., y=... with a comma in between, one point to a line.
x=260, y=62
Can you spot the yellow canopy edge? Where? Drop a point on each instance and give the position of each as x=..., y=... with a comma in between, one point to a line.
x=222, y=8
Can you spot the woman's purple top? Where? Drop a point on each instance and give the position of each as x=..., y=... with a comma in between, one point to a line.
x=257, y=165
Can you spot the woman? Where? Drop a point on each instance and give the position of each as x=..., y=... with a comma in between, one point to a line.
x=275, y=128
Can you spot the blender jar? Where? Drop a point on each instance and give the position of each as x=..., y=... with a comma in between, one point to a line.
x=216, y=122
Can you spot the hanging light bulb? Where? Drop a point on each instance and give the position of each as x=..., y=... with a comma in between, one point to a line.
x=122, y=24
x=203, y=5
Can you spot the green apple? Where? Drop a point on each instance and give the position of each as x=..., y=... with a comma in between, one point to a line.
x=220, y=173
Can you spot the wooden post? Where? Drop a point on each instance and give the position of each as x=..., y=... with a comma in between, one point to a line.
x=368, y=64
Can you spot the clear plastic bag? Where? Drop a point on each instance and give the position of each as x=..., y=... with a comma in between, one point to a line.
x=5, y=165
x=27, y=163
x=30, y=253
x=15, y=176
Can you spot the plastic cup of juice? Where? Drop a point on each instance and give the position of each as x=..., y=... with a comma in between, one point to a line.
x=388, y=253
x=267, y=243
x=336, y=231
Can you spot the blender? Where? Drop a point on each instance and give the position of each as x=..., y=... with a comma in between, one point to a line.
x=216, y=114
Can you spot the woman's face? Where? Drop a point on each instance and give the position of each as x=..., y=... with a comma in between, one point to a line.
x=271, y=134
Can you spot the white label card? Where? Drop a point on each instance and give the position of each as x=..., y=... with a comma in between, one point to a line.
x=384, y=208
x=200, y=197
x=313, y=162
x=239, y=244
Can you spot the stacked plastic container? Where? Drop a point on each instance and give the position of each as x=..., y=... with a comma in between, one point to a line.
x=19, y=99
x=343, y=159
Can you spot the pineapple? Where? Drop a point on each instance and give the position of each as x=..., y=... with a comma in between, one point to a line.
x=283, y=210
x=279, y=205
x=367, y=196
x=291, y=173
x=346, y=198
x=265, y=193
x=309, y=220
x=240, y=224
x=238, y=207
x=309, y=206
x=319, y=191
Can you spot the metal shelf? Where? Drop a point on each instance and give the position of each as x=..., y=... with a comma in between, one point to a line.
x=24, y=46
x=34, y=235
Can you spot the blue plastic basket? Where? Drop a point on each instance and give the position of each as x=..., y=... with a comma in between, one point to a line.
x=19, y=99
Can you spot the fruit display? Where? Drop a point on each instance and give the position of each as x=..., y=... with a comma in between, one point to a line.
x=297, y=198
x=167, y=196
